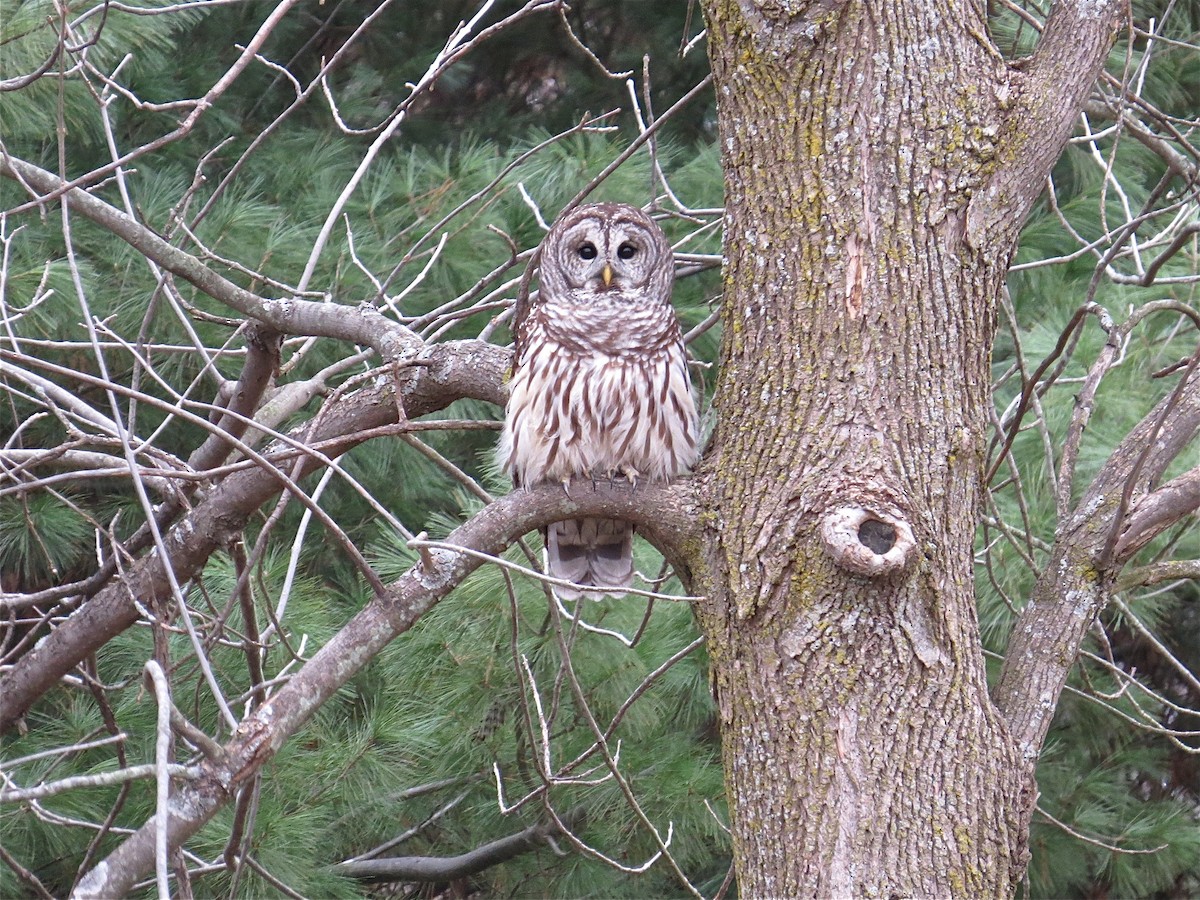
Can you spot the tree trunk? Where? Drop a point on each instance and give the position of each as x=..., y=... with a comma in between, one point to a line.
x=863, y=754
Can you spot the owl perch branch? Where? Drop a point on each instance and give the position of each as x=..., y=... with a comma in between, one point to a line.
x=667, y=513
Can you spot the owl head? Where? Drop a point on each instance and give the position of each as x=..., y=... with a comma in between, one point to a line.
x=609, y=251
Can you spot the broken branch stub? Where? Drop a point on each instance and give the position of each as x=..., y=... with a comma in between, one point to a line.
x=866, y=542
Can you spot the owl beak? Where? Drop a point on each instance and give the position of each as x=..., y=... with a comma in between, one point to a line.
x=606, y=275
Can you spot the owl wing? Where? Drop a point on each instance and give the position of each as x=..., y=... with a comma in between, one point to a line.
x=522, y=308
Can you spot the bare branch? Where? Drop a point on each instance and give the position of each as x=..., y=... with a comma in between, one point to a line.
x=1176, y=161
x=666, y=513
x=132, y=773
x=1110, y=846
x=1158, y=511
x=1050, y=92
x=89, y=464
x=1157, y=573
x=162, y=755
x=258, y=371
x=447, y=868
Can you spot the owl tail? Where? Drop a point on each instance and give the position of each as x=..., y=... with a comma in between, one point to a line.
x=590, y=552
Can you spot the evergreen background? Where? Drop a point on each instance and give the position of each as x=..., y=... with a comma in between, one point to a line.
x=410, y=745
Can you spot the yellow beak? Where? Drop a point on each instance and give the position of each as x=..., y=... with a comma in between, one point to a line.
x=606, y=274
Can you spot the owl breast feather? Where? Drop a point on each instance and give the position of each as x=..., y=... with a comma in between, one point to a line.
x=578, y=411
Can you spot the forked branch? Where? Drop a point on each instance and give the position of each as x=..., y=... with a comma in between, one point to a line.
x=1121, y=511
x=666, y=512
x=1050, y=91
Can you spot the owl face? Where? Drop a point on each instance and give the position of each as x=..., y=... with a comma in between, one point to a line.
x=606, y=251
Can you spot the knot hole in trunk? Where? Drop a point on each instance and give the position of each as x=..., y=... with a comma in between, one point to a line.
x=867, y=542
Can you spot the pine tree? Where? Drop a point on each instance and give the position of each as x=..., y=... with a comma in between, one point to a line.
x=417, y=755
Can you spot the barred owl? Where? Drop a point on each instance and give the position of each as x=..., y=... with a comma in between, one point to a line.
x=600, y=384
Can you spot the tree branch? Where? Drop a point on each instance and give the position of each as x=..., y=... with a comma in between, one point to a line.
x=667, y=513
x=361, y=325
x=1158, y=511
x=453, y=370
x=258, y=371
x=95, y=464
x=446, y=868
x=1157, y=573
x=1051, y=90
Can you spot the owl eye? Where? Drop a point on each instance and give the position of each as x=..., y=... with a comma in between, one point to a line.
x=627, y=251
x=587, y=250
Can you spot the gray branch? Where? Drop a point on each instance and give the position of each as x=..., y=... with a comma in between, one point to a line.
x=361, y=325
x=1044, y=100
x=1157, y=511
x=446, y=868
x=667, y=514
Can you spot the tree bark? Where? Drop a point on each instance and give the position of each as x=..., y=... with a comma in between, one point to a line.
x=874, y=162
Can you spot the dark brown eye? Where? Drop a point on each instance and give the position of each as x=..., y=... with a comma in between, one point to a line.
x=627, y=251
x=587, y=250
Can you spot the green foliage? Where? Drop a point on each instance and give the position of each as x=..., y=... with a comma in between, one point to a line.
x=1106, y=784
x=1124, y=790
x=28, y=43
x=41, y=537
x=449, y=700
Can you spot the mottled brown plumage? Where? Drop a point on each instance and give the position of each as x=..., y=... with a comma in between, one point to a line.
x=600, y=384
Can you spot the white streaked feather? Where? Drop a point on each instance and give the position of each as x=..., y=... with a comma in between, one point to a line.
x=596, y=447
